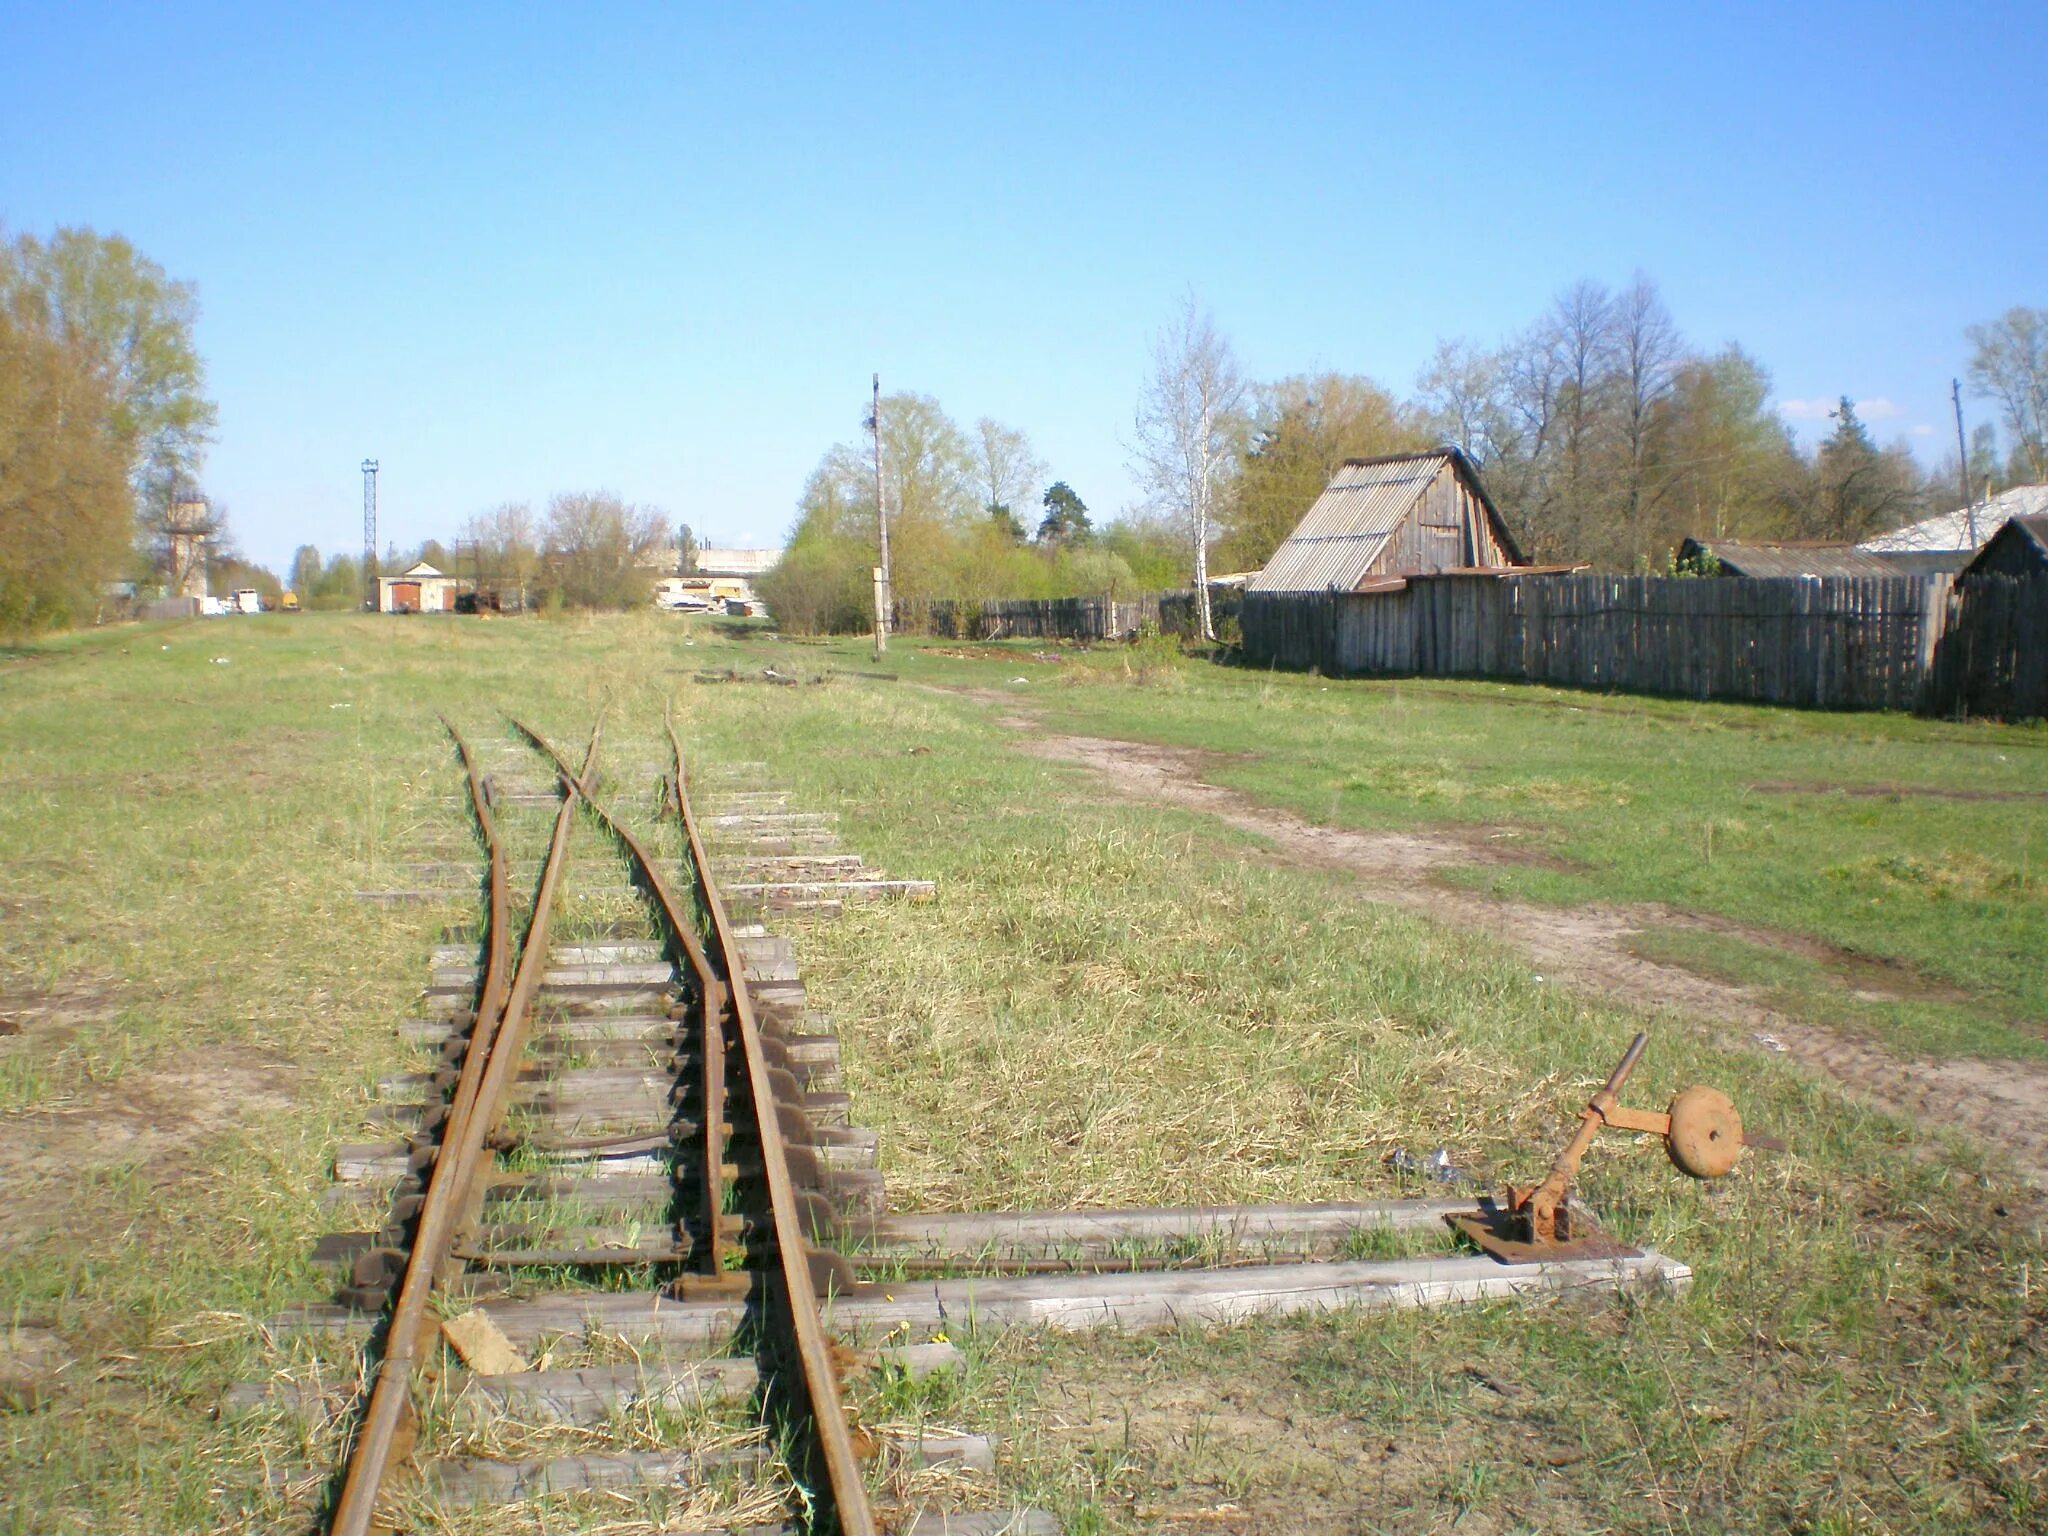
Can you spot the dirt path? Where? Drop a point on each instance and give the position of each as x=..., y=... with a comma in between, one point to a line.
x=2002, y=1103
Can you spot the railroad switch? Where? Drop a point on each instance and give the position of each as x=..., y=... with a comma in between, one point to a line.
x=1702, y=1133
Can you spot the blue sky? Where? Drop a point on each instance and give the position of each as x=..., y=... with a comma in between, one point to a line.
x=511, y=251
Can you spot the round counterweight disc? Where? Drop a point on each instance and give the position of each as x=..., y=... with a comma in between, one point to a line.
x=1706, y=1133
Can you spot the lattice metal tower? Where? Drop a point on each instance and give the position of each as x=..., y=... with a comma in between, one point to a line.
x=369, y=533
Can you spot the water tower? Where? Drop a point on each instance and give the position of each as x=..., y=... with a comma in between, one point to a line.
x=189, y=527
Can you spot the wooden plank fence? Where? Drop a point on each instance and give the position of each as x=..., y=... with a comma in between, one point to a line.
x=1833, y=643
x=1993, y=659
x=1061, y=618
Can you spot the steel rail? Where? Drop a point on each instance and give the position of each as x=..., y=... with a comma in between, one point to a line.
x=450, y=1177
x=712, y=993
x=850, y=1507
x=845, y=1506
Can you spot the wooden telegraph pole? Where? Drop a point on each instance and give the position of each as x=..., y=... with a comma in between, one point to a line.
x=1955, y=393
x=884, y=599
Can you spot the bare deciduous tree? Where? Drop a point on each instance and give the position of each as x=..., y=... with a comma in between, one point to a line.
x=506, y=545
x=1188, y=423
x=1647, y=351
x=1006, y=470
x=1459, y=394
x=2010, y=365
x=597, y=546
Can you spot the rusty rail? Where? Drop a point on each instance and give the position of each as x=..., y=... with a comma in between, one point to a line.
x=488, y=1067
x=842, y=1504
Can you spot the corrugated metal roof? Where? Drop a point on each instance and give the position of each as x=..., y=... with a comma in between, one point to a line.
x=1950, y=532
x=1350, y=523
x=1799, y=560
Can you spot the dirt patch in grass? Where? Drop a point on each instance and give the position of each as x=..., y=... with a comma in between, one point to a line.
x=1217, y=1440
x=152, y=1117
x=1891, y=791
x=2004, y=1104
x=1871, y=978
x=54, y=1014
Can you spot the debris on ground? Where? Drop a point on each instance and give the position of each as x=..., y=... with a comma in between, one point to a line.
x=483, y=1345
x=31, y=1359
x=1437, y=1166
x=764, y=675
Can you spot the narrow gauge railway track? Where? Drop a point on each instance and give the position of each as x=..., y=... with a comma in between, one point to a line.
x=689, y=1137
x=631, y=1163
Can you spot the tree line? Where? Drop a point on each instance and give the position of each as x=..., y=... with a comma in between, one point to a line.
x=972, y=515
x=586, y=549
x=1604, y=436
x=1602, y=433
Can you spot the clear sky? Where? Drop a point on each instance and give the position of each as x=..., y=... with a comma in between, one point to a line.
x=512, y=251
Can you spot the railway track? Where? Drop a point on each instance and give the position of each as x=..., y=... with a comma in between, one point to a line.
x=622, y=1098
x=622, y=1243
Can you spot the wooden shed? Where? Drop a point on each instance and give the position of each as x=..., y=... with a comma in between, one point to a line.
x=2020, y=548
x=1411, y=514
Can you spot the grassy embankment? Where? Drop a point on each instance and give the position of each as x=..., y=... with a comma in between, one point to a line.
x=1108, y=1004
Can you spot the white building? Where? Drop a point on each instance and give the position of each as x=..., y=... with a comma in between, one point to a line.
x=1947, y=542
x=419, y=590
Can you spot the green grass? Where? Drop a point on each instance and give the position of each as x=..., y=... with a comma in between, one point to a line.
x=1634, y=800
x=1108, y=1003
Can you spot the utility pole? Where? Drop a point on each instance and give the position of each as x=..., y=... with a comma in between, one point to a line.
x=1955, y=393
x=370, y=534
x=884, y=594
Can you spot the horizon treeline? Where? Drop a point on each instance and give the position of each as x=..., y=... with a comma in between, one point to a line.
x=589, y=549
x=1604, y=437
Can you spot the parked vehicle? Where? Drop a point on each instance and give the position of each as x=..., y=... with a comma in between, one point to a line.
x=246, y=600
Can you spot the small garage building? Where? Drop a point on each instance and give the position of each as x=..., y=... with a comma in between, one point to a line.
x=422, y=589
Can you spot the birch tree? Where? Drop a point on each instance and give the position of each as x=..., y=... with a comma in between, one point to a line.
x=1006, y=472
x=2009, y=363
x=1188, y=420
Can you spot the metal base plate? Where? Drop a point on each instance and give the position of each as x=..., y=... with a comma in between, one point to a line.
x=1499, y=1232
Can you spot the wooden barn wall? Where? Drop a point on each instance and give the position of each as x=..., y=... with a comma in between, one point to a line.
x=1993, y=657
x=1446, y=502
x=1840, y=643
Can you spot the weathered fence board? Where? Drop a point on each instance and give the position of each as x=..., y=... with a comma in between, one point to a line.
x=1834, y=643
x=1061, y=618
x=1993, y=659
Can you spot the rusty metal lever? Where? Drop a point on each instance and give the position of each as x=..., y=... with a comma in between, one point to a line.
x=1701, y=1131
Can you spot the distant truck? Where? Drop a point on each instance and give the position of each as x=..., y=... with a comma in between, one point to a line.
x=288, y=602
x=246, y=600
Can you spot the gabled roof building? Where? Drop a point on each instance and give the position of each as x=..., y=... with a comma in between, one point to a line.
x=1409, y=514
x=2019, y=548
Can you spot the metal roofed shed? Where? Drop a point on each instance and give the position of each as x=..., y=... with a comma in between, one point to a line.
x=1947, y=542
x=1789, y=557
x=1410, y=514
